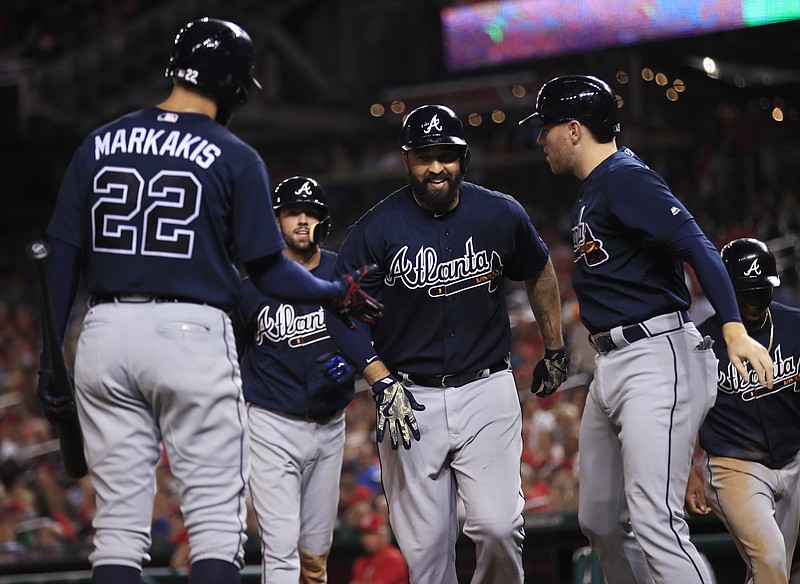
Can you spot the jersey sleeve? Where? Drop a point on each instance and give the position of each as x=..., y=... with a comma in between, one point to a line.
x=642, y=201
x=530, y=251
x=65, y=223
x=255, y=228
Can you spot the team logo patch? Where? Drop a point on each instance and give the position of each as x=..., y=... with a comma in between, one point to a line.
x=473, y=269
x=305, y=190
x=433, y=124
x=585, y=245
x=285, y=325
x=754, y=269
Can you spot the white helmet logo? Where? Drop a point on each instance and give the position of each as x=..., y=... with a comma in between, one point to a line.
x=305, y=190
x=754, y=269
x=434, y=124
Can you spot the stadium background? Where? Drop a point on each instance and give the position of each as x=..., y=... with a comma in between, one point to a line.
x=729, y=145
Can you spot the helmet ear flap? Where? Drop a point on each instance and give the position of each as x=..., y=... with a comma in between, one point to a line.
x=321, y=230
x=465, y=157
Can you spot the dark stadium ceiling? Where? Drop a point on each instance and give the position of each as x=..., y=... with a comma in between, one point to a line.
x=324, y=62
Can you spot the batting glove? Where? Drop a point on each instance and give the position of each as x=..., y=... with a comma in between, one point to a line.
x=551, y=370
x=335, y=367
x=395, y=409
x=57, y=408
x=353, y=301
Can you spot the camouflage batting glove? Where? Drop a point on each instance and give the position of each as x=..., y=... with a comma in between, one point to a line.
x=550, y=371
x=395, y=408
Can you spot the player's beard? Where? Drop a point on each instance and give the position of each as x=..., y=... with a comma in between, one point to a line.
x=437, y=200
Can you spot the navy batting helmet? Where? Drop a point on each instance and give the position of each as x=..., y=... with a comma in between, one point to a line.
x=577, y=97
x=434, y=125
x=750, y=264
x=304, y=189
x=216, y=56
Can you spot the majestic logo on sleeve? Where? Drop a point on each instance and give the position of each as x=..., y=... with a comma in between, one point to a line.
x=785, y=376
x=473, y=269
x=754, y=269
x=286, y=325
x=585, y=245
x=433, y=124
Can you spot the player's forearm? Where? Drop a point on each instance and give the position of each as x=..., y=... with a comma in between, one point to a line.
x=281, y=278
x=63, y=271
x=375, y=371
x=545, y=302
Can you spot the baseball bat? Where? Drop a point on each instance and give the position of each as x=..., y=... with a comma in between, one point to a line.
x=70, y=435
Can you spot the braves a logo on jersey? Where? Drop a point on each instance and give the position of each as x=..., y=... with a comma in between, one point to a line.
x=785, y=376
x=286, y=325
x=473, y=269
x=585, y=245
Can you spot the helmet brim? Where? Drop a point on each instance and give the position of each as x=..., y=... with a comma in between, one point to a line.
x=435, y=141
x=535, y=119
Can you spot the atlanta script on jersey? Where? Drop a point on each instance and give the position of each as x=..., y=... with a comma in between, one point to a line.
x=443, y=276
x=750, y=421
x=280, y=343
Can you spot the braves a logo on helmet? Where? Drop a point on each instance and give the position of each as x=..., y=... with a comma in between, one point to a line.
x=585, y=245
x=305, y=190
x=433, y=124
x=786, y=373
x=286, y=325
x=753, y=270
x=473, y=269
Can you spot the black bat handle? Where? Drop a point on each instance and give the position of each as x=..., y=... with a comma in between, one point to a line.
x=70, y=435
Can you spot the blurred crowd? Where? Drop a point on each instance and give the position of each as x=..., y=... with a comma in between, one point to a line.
x=738, y=174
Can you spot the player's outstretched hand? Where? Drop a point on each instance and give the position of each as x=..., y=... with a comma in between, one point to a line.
x=353, y=301
x=57, y=408
x=335, y=367
x=551, y=371
x=745, y=350
x=396, y=406
x=695, y=499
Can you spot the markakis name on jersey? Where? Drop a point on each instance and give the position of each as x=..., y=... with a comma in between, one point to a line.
x=473, y=269
x=785, y=376
x=156, y=143
x=286, y=325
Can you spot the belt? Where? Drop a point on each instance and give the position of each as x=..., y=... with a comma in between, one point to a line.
x=96, y=299
x=316, y=419
x=452, y=379
x=622, y=336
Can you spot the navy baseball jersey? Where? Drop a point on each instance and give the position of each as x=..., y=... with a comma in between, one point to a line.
x=748, y=420
x=626, y=224
x=279, y=343
x=162, y=203
x=443, y=285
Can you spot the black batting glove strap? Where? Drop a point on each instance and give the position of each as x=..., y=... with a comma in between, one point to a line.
x=335, y=367
x=353, y=301
x=395, y=409
x=550, y=372
x=57, y=408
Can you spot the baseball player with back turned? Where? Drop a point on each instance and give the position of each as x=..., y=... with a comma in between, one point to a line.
x=154, y=210
x=295, y=410
x=655, y=377
x=751, y=437
x=444, y=248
